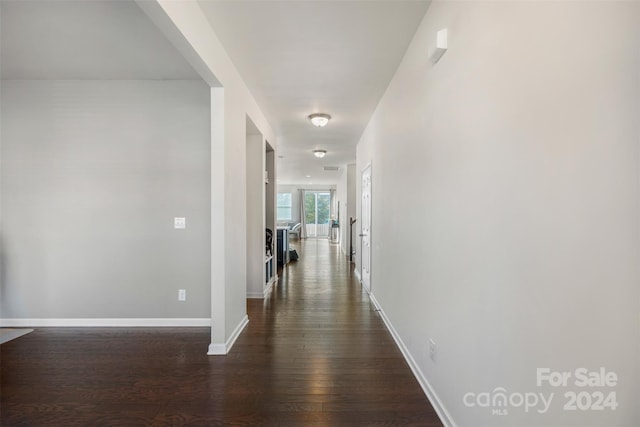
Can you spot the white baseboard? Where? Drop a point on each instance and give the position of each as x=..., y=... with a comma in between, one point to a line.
x=217, y=349
x=115, y=322
x=442, y=412
x=269, y=287
x=265, y=292
x=366, y=286
x=255, y=295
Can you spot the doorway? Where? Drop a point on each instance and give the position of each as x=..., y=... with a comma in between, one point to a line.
x=317, y=211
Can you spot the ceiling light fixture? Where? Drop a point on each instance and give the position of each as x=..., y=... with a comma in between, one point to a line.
x=319, y=119
x=319, y=153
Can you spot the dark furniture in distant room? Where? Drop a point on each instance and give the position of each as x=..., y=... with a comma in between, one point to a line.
x=283, y=246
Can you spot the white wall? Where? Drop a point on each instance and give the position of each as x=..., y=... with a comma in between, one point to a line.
x=187, y=27
x=255, y=216
x=506, y=203
x=346, y=193
x=341, y=195
x=351, y=206
x=93, y=173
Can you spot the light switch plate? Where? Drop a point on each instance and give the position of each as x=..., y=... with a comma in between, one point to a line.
x=432, y=349
x=179, y=223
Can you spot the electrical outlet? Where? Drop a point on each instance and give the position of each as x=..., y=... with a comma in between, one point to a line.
x=180, y=223
x=432, y=349
x=182, y=294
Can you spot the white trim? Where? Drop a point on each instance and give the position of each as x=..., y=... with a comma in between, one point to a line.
x=440, y=409
x=365, y=287
x=115, y=322
x=236, y=332
x=216, y=349
x=269, y=287
x=265, y=291
x=366, y=166
x=255, y=295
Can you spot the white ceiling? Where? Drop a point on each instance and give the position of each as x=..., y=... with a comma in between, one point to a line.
x=297, y=57
x=81, y=40
x=301, y=57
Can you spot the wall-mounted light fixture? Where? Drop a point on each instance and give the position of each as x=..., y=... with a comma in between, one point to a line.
x=319, y=119
x=319, y=153
x=441, y=46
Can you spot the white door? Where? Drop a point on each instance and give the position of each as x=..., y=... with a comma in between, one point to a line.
x=366, y=228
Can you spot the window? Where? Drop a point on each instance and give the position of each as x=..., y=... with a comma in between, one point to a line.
x=317, y=209
x=284, y=206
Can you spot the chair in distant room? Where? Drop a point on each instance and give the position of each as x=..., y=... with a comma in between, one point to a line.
x=295, y=230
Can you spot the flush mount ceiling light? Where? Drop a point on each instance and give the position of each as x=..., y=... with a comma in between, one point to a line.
x=319, y=153
x=319, y=119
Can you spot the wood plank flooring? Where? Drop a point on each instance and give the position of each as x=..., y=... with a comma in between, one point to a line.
x=315, y=353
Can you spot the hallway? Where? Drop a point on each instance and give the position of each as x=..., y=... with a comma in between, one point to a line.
x=328, y=351
x=314, y=354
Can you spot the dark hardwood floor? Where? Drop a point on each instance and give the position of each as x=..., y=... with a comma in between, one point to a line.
x=315, y=353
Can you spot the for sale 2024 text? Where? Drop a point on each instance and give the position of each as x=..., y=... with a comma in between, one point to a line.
x=586, y=390
x=587, y=399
